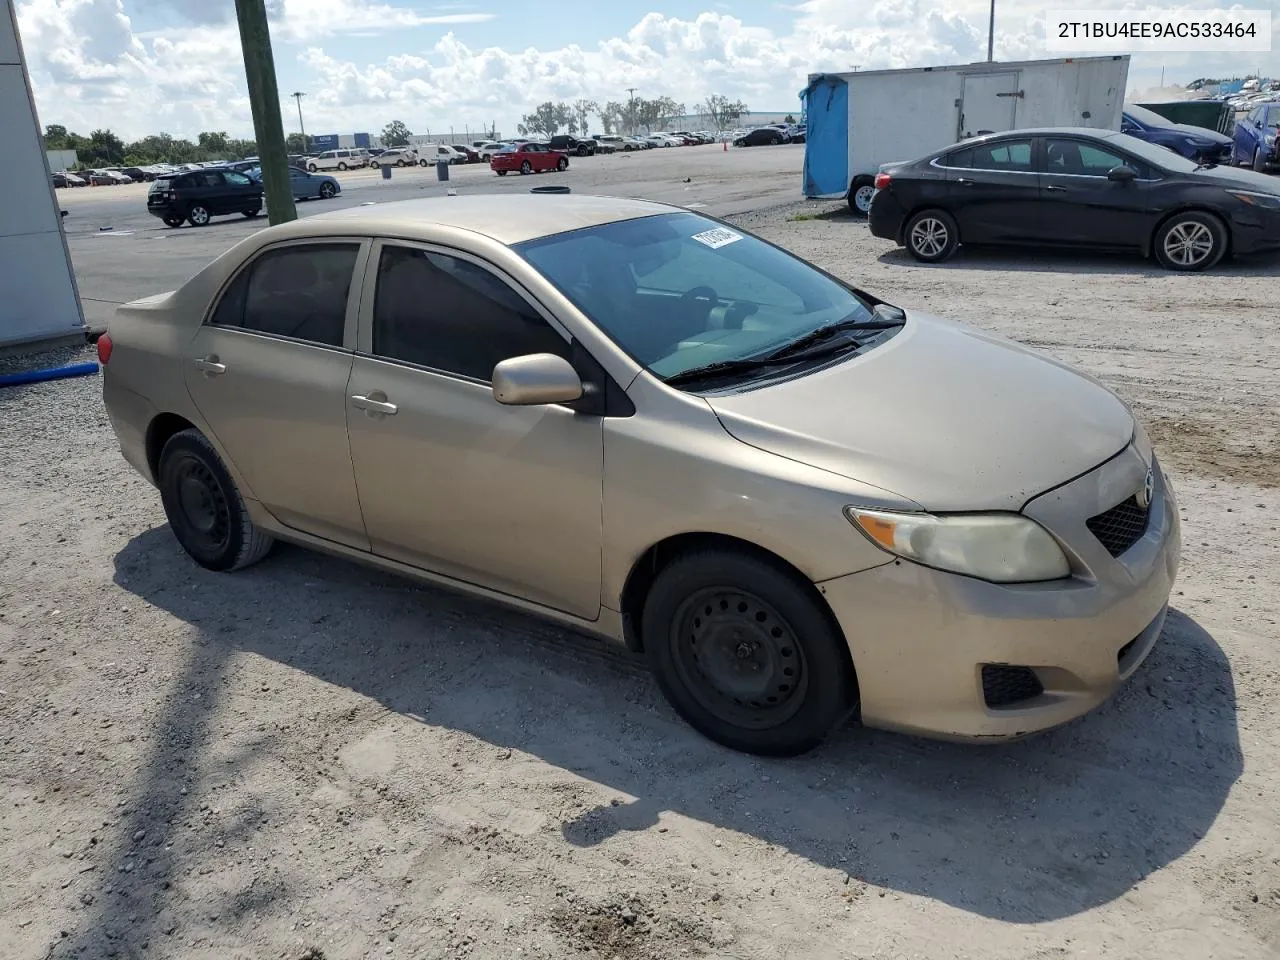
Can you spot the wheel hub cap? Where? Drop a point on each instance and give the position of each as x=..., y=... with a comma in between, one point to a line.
x=1188, y=243
x=929, y=237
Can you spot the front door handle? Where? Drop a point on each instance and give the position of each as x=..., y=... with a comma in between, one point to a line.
x=210, y=366
x=1056, y=189
x=369, y=405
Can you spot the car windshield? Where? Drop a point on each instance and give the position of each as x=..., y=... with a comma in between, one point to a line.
x=678, y=291
x=1148, y=117
x=1154, y=154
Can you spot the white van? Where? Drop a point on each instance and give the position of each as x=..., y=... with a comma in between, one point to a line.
x=338, y=160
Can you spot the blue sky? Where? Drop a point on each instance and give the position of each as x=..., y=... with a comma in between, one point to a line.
x=146, y=66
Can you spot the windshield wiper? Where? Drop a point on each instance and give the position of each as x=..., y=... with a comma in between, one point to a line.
x=890, y=317
x=794, y=352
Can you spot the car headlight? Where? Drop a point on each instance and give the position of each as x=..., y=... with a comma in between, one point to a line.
x=1265, y=201
x=1001, y=547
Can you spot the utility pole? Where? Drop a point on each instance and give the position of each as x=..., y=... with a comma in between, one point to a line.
x=264, y=99
x=991, y=33
x=631, y=109
x=298, y=95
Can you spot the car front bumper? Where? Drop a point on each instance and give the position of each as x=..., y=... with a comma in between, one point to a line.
x=920, y=638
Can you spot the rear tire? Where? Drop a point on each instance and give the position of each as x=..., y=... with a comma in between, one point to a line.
x=1259, y=163
x=198, y=216
x=501, y=173
x=1190, y=242
x=563, y=164
x=205, y=510
x=312, y=168
x=342, y=166
x=252, y=213
x=931, y=236
x=861, y=191
x=746, y=655
x=526, y=168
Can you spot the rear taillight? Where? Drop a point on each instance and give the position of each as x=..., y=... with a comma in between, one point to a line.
x=173, y=195
x=882, y=181
x=104, y=348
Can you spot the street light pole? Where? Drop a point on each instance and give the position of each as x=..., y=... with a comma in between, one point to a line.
x=631, y=109
x=264, y=101
x=298, y=95
x=991, y=33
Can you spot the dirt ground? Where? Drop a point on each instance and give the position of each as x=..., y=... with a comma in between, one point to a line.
x=311, y=760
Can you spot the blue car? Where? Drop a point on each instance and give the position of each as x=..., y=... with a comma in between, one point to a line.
x=1198, y=144
x=305, y=185
x=1255, y=142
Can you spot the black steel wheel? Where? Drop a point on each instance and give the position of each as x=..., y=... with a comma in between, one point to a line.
x=205, y=510
x=746, y=654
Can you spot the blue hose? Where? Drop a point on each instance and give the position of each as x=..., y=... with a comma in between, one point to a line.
x=49, y=373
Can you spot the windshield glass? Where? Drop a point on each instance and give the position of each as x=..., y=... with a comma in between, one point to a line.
x=1147, y=117
x=679, y=291
x=1154, y=154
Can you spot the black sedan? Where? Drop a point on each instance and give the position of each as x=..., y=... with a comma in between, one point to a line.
x=1075, y=187
x=761, y=136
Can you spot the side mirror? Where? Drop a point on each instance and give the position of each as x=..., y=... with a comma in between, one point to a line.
x=1122, y=174
x=536, y=379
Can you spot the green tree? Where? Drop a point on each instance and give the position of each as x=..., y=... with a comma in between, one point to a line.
x=788, y=119
x=582, y=109
x=545, y=120
x=722, y=111
x=56, y=137
x=212, y=143
x=395, y=134
x=612, y=116
x=654, y=113
x=104, y=148
x=294, y=144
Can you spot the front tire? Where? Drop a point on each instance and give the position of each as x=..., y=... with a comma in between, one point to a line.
x=327, y=191
x=204, y=508
x=1190, y=242
x=861, y=191
x=931, y=236
x=312, y=168
x=252, y=212
x=1259, y=162
x=745, y=653
x=173, y=221
x=342, y=166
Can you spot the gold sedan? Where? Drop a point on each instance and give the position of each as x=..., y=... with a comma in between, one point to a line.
x=800, y=502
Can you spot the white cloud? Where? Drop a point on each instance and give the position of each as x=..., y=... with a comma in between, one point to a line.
x=90, y=67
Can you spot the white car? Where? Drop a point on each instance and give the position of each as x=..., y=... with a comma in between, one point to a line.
x=486, y=149
x=444, y=153
x=347, y=159
x=395, y=157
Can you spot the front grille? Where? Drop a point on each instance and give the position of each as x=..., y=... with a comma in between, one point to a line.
x=1004, y=686
x=1121, y=527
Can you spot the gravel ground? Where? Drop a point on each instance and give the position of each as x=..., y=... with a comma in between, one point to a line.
x=314, y=760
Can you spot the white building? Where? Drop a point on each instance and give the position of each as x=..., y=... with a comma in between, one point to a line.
x=39, y=304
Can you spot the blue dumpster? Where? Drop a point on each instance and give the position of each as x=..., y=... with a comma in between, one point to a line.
x=442, y=170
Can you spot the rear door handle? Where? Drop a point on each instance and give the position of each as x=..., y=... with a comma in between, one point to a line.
x=1056, y=189
x=210, y=366
x=374, y=406
x=967, y=183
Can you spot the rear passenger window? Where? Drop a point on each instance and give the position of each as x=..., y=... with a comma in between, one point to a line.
x=1011, y=155
x=298, y=292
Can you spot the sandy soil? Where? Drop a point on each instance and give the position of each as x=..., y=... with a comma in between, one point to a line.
x=311, y=760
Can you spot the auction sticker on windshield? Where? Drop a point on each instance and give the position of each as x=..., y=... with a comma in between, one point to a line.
x=717, y=238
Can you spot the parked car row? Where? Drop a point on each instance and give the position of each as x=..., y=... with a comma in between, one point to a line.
x=770, y=134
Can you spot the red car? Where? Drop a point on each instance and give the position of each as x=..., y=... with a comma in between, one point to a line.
x=528, y=158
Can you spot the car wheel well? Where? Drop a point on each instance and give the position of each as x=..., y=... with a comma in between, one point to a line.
x=1149, y=243
x=660, y=555
x=158, y=433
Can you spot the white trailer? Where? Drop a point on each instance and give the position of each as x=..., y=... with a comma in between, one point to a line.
x=860, y=120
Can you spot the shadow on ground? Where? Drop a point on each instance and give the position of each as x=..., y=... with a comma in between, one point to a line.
x=1041, y=260
x=1025, y=832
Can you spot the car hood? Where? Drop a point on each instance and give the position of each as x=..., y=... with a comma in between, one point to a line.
x=1200, y=133
x=943, y=415
x=1238, y=178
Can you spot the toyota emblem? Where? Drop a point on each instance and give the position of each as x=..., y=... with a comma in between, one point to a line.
x=1148, y=490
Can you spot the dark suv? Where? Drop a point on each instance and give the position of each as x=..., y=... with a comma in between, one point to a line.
x=199, y=195
x=567, y=144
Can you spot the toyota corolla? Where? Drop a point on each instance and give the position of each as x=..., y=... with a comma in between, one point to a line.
x=800, y=502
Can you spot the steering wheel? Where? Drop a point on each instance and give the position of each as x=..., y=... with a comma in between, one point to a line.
x=699, y=294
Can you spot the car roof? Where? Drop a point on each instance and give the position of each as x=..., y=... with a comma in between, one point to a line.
x=1045, y=132
x=506, y=218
